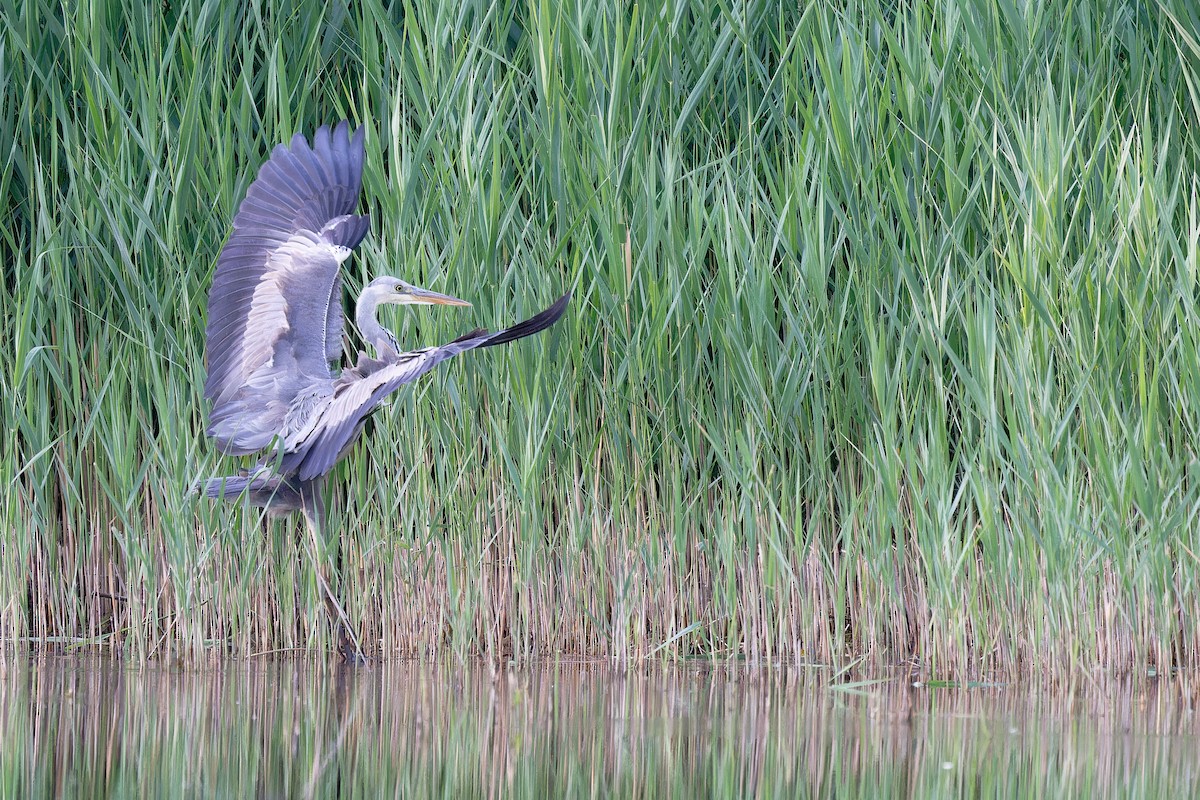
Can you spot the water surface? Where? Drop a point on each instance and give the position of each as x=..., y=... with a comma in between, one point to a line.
x=98, y=727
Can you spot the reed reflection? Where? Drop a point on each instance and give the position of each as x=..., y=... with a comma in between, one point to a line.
x=95, y=726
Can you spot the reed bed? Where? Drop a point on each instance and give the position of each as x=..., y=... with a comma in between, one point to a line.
x=884, y=343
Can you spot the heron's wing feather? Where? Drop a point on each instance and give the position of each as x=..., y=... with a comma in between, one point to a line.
x=360, y=391
x=274, y=311
x=353, y=402
x=279, y=346
x=303, y=187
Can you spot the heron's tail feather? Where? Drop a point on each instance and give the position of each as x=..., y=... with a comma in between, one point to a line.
x=267, y=491
x=229, y=488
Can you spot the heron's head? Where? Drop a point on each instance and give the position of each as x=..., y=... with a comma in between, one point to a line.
x=393, y=290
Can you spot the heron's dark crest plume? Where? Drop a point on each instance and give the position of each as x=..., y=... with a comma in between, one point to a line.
x=274, y=335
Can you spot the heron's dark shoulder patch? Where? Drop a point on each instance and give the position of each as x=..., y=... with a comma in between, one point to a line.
x=362, y=369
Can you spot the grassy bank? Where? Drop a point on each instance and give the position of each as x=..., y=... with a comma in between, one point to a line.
x=884, y=343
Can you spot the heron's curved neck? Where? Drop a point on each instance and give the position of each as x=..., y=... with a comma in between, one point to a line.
x=379, y=337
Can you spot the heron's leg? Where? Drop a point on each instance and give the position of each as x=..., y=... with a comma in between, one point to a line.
x=313, y=505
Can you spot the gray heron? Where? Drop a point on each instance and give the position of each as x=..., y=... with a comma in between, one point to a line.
x=274, y=336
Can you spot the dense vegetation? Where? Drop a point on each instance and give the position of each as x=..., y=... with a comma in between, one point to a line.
x=885, y=340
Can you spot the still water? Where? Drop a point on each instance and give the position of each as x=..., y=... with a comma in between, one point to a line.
x=97, y=727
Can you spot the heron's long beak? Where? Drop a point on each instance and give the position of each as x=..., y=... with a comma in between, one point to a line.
x=419, y=295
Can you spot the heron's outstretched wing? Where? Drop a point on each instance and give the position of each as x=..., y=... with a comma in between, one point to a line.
x=359, y=391
x=275, y=309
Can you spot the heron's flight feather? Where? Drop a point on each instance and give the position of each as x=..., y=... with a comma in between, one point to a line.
x=359, y=391
x=275, y=315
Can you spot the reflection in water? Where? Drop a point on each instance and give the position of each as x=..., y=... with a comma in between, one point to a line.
x=96, y=727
